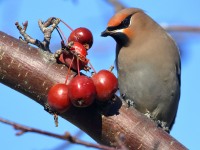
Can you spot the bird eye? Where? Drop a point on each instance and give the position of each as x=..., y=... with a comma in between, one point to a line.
x=124, y=24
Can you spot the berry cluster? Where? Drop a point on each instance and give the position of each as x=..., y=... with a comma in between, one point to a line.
x=79, y=41
x=81, y=91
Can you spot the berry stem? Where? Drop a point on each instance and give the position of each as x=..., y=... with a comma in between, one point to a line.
x=69, y=69
x=60, y=31
x=78, y=66
x=92, y=67
x=66, y=25
x=55, y=116
x=111, y=68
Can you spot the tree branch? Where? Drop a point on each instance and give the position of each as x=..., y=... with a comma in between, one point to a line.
x=180, y=28
x=116, y=4
x=66, y=136
x=32, y=72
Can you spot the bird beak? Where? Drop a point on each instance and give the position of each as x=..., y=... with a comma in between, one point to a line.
x=105, y=33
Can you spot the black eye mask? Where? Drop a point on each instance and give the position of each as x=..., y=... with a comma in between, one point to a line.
x=124, y=24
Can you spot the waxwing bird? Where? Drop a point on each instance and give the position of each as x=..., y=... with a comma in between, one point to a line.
x=148, y=65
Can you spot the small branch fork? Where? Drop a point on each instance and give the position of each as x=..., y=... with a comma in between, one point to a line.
x=44, y=27
x=47, y=28
x=66, y=136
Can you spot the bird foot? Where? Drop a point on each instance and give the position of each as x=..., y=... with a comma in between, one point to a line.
x=57, y=53
x=148, y=114
x=159, y=123
x=129, y=102
x=48, y=109
x=163, y=125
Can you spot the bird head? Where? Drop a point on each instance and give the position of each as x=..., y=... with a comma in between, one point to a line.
x=121, y=26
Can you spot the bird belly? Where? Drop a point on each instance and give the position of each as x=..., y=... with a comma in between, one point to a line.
x=150, y=90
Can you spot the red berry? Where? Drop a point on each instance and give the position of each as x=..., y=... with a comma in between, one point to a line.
x=66, y=58
x=78, y=49
x=106, y=84
x=82, y=91
x=58, y=98
x=83, y=36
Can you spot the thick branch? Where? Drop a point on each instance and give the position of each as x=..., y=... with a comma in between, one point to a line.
x=32, y=72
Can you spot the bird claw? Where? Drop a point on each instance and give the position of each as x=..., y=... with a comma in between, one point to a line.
x=129, y=102
x=159, y=123
x=57, y=53
x=148, y=114
x=48, y=109
x=163, y=125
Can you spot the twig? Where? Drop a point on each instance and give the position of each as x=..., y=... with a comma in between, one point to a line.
x=117, y=5
x=48, y=30
x=66, y=145
x=27, y=38
x=170, y=28
x=66, y=136
x=176, y=28
x=44, y=27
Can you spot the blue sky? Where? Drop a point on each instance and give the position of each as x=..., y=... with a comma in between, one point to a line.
x=94, y=15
